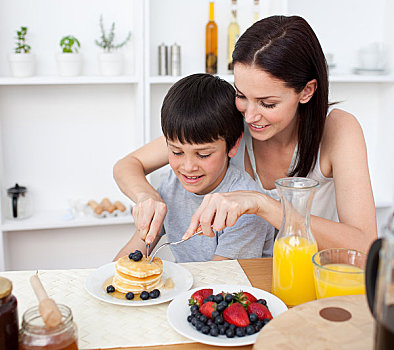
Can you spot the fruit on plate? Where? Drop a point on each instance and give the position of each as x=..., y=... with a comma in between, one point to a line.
x=208, y=308
x=235, y=314
x=260, y=310
x=227, y=314
x=244, y=298
x=198, y=297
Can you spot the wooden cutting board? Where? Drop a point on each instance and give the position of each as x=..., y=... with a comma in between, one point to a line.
x=336, y=323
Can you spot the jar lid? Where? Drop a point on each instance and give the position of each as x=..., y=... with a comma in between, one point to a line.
x=17, y=189
x=5, y=287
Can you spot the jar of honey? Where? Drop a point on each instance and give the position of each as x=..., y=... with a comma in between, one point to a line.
x=8, y=317
x=35, y=335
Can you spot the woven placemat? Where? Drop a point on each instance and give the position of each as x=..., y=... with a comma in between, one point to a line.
x=102, y=325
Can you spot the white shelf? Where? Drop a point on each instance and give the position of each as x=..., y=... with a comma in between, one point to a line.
x=359, y=78
x=57, y=219
x=57, y=80
x=333, y=78
x=380, y=204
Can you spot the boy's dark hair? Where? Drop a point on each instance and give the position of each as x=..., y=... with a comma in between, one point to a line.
x=288, y=49
x=200, y=108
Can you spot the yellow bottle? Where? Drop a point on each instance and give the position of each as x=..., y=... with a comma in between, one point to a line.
x=292, y=276
x=232, y=35
x=211, y=42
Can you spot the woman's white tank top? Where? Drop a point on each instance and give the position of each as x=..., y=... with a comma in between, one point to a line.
x=323, y=204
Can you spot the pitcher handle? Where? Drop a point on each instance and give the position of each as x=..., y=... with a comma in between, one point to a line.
x=371, y=272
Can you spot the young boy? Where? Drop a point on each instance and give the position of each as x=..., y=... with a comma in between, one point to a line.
x=203, y=129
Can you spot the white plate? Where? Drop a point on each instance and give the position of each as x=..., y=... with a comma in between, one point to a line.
x=182, y=278
x=178, y=310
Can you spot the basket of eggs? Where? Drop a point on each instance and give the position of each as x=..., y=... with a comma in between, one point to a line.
x=107, y=209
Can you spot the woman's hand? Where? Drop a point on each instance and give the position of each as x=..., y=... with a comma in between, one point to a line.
x=149, y=214
x=220, y=210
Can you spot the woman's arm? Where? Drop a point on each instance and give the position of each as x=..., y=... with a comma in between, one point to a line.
x=345, y=154
x=344, y=157
x=129, y=174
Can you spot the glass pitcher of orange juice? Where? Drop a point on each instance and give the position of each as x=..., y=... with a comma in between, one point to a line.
x=292, y=276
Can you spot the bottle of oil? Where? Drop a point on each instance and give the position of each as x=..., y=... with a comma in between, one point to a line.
x=232, y=35
x=211, y=42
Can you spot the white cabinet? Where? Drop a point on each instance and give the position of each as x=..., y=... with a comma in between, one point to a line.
x=61, y=136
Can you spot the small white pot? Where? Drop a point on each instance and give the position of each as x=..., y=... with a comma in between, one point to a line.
x=69, y=64
x=111, y=64
x=22, y=64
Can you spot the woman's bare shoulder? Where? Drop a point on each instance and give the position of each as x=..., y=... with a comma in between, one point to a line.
x=341, y=125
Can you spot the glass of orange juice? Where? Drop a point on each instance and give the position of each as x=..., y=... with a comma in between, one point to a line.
x=339, y=271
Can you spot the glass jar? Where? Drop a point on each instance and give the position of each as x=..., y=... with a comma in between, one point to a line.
x=292, y=275
x=8, y=317
x=35, y=335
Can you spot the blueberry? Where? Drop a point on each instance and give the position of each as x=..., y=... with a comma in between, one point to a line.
x=203, y=319
x=209, y=322
x=265, y=321
x=214, y=332
x=259, y=325
x=262, y=302
x=230, y=333
x=232, y=326
x=194, y=308
x=137, y=255
x=155, y=293
x=110, y=289
x=228, y=298
x=205, y=330
x=221, y=306
x=194, y=321
x=197, y=315
x=131, y=255
x=250, y=330
x=253, y=318
x=214, y=325
x=189, y=318
x=240, y=332
x=215, y=314
x=219, y=320
x=226, y=324
x=144, y=295
x=130, y=296
x=205, y=300
x=218, y=298
x=211, y=298
x=222, y=329
x=199, y=325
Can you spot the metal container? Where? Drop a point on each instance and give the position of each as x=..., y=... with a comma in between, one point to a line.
x=175, y=60
x=163, y=63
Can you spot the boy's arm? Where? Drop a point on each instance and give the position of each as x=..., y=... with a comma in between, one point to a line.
x=219, y=258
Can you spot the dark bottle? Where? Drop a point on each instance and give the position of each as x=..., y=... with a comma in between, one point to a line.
x=8, y=317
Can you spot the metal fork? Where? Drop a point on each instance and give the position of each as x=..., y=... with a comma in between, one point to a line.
x=174, y=243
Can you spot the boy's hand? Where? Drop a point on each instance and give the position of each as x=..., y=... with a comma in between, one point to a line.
x=149, y=216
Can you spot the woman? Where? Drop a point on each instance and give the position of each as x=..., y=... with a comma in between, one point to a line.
x=280, y=76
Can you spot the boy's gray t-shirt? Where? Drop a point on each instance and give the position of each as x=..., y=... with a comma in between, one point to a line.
x=250, y=237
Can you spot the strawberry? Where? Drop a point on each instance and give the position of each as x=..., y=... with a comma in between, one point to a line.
x=235, y=314
x=244, y=298
x=260, y=310
x=207, y=308
x=198, y=297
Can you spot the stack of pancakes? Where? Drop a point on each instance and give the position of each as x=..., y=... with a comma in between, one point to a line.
x=138, y=276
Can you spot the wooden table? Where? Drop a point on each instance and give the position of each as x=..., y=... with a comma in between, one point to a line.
x=259, y=273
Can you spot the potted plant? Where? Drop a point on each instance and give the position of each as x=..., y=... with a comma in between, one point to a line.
x=69, y=61
x=22, y=61
x=111, y=62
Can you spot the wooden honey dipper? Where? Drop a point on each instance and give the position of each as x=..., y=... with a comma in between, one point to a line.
x=49, y=311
